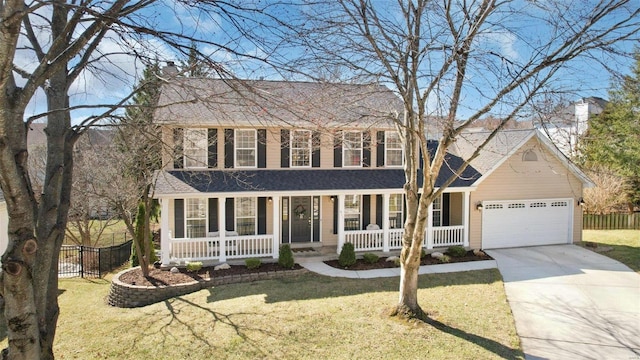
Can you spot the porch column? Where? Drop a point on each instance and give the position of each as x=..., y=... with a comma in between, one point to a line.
x=275, y=201
x=165, y=233
x=385, y=222
x=429, y=235
x=465, y=220
x=222, y=227
x=340, y=222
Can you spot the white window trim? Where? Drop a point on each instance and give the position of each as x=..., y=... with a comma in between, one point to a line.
x=236, y=148
x=386, y=151
x=203, y=151
x=344, y=148
x=439, y=211
x=236, y=205
x=309, y=147
x=187, y=218
x=396, y=212
x=359, y=212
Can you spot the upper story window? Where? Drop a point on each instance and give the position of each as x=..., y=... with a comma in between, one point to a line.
x=195, y=148
x=393, y=149
x=196, y=218
x=245, y=148
x=352, y=212
x=352, y=149
x=300, y=148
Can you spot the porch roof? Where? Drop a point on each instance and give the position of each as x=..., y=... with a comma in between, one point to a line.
x=227, y=181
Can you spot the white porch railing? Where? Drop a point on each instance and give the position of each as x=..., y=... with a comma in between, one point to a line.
x=198, y=249
x=365, y=239
x=445, y=236
x=372, y=240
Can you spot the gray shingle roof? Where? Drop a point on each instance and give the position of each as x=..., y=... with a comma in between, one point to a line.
x=254, y=103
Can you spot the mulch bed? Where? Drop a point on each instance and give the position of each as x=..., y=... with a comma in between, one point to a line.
x=159, y=277
x=427, y=260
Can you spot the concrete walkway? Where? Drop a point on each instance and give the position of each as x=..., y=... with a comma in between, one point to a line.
x=321, y=268
x=571, y=303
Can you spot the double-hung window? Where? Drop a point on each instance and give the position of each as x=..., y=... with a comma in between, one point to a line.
x=300, y=148
x=352, y=149
x=396, y=209
x=437, y=211
x=196, y=218
x=245, y=148
x=352, y=212
x=195, y=148
x=393, y=149
x=246, y=215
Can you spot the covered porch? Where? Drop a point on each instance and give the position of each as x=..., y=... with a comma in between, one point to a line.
x=305, y=220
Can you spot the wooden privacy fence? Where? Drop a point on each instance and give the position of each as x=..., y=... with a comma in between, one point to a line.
x=611, y=222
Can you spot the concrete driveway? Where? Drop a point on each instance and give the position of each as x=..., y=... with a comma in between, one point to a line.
x=571, y=303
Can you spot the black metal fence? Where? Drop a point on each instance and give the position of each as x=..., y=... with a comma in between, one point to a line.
x=87, y=261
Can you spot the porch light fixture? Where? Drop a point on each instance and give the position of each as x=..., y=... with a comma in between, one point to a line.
x=479, y=206
x=333, y=198
x=270, y=199
x=580, y=202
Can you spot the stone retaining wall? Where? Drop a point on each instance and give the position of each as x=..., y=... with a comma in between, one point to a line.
x=129, y=296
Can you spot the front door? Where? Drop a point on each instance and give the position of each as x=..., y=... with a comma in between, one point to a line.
x=300, y=219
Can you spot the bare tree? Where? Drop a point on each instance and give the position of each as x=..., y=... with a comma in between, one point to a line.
x=63, y=41
x=453, y=63
x=609, y=194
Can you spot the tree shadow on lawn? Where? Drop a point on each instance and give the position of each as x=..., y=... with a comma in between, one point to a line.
x=313, y=286
x=628, y=255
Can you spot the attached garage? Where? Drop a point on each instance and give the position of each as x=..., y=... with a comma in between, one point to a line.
x=514, y=223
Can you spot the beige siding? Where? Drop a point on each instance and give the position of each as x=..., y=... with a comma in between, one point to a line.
x=273, y=148
x=326, y=227
x=546, y=178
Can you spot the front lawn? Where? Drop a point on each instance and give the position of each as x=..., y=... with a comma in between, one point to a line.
x=309, y=317
x=624, y=244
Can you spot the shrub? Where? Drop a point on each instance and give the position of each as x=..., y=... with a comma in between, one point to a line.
x=285, y=258
x=396, y=262
x=253, y=263
x=347, y=255
x=457, y=251
x=370, y=258
x=445, y=258
x=423, y=253
x=194, y=266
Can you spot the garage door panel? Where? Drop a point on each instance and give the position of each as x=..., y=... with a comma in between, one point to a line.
x=526, y=222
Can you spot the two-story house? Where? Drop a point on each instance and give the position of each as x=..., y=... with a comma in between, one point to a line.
x=257, y=164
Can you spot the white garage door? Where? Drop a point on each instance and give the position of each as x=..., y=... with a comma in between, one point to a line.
x=516, y=223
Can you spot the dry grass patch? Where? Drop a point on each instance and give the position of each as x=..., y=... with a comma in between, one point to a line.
x=309, y=317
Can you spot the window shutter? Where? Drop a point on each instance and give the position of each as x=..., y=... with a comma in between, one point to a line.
x=262, y=148
x=380, y=149
x=228, y=148
x=379, y=211
x=178, y=154
x=212, y=151
x=335, y=214
x=366, y=211
x=230, y=213
x=178, y=224
x=262, y=215
x=366, y=149
x=213, y=214
x=337, y=149
x=315, y=149
x=284, y=148
x=446, y=200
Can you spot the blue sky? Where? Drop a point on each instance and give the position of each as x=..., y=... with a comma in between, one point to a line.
x=113, y=79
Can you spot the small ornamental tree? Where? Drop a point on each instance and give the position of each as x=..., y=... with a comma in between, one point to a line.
x=347, y=255
x=285, y=257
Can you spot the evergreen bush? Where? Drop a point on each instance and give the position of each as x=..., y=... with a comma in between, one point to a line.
x=347, y=255
x=285, y=258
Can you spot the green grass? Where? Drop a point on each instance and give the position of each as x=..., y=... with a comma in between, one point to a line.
x=309, y=317
x=625, y=245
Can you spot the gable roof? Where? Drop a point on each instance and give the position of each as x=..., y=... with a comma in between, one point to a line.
x=502, y=146
x=259, y=103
